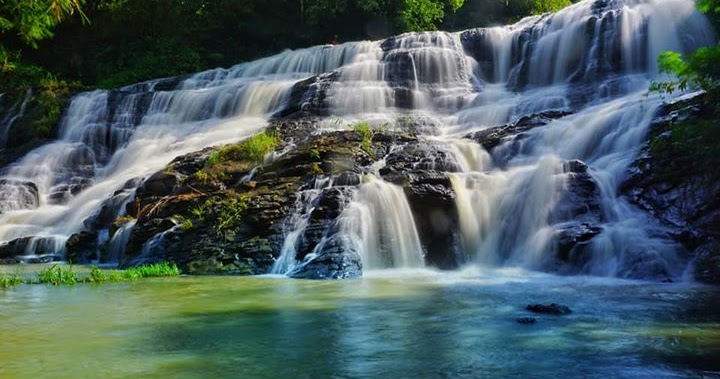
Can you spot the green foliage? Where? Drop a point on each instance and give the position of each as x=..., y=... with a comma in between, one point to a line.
x=314, y=154
x=154, y=270
x=10, y=280
x=699, y=69
x=692, y=147
x=34, y=20
x=97, y=276
x=365, y=130
x=199, y=211
x=124, y=219
x=673, y=63
x=520, y=8
x=52, y=99
x=187, y=226
x=419, y=15
x=147, y=60
x=57, y=275
x=253, y=148
x=231, y=212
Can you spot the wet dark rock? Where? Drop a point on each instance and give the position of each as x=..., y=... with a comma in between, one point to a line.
x=579, y=200
x=142, y=234
x=432, y=200
x=334, y=260
x=478, y=44
x=159, y=184
x=418, y=156
x=706, y=265
x=15, y=248
x=30, y=250
x=527, y=320
x=202, y=237
x=550, y=309
x=492, y=137
x=309, y=97
x=681, y=199
x=573, y=240
x=322, y=220
x=82, y=248
x=190, y=163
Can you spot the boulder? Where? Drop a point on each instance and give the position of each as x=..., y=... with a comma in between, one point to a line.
x=82, y=248
x=333, y=260
x=492, y=137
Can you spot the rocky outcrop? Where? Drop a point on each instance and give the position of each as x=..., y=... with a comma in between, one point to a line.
x=231, y=217
x=492, y=137
x=681, y=198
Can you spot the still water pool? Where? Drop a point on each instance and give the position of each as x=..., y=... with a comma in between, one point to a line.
x=391, y=324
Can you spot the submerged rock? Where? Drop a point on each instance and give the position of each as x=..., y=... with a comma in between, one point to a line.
x=526, y=320
x=550, y=309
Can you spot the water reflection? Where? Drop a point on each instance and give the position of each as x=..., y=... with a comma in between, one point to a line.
x=420, y=324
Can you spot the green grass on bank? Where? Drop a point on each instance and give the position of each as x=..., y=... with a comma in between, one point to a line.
x=66, y=275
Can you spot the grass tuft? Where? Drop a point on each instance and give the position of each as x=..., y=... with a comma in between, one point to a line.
x=365, y=130
x=154, y=270
x=10, y=280
x=57, y=275
x=253, y=148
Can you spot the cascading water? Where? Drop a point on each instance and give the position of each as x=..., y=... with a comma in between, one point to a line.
x=16, y=112
x=592, y=61
x=380, y=224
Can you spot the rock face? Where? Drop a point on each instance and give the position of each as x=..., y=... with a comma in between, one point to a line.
x=233, y=216
x=684, y=201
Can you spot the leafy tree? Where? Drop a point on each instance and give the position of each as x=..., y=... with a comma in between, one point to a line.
x=419, y=15
x=34, y=20
x=698, y=69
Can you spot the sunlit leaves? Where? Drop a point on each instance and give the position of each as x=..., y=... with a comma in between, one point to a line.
x=418, y=15
x=34, y=20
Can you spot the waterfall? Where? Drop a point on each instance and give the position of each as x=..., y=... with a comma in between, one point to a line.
x=381, y=226
x=591, y=63
x=297, y=225
x=16, y=112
